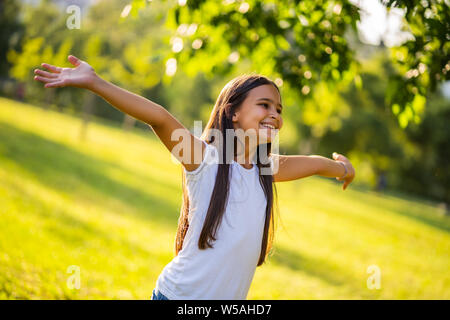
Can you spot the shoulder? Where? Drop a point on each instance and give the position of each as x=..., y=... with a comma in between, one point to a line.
x=209, y=155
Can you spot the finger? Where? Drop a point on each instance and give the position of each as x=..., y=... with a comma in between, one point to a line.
x=52, y=68
x=45, y=73
x=74, y=60
x=339, y=157
x=345, y=185
x=45, y=79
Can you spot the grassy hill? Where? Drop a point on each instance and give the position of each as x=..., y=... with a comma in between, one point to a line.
x=109, y=205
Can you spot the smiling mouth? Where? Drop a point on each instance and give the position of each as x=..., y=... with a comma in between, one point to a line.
x=267, y=126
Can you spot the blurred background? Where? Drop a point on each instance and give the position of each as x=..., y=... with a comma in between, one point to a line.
x=89, y=197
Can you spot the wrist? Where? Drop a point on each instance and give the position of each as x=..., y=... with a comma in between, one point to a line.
x=94, y=83
x=345, y=169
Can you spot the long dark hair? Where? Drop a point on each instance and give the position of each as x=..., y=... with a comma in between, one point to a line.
x=229, y=100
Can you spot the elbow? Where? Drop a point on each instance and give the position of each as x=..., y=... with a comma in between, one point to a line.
x=158, y=117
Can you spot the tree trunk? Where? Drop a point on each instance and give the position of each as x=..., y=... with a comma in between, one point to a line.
x=49, y=98
x=88, y=107
x=306, y=146
x=128, y=122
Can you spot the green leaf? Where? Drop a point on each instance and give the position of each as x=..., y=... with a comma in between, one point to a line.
x=418, y=104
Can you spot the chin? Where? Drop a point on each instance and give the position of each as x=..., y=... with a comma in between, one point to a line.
x=266, y=138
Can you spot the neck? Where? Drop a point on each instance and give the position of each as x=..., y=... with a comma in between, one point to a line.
x=245, y=153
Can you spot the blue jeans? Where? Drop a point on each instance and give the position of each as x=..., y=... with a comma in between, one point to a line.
x=156, y=295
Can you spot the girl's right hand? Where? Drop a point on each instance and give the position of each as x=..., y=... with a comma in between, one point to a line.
x=82, y=76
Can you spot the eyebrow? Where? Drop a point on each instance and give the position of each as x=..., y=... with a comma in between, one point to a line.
x=270, y=100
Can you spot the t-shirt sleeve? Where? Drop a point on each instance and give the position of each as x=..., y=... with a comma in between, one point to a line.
x=209, y=157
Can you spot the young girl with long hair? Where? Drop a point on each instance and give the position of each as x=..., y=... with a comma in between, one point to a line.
x=226, y=224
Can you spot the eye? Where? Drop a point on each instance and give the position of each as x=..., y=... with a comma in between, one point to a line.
x=266, y=106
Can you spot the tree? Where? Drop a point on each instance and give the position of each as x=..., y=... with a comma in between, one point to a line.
x=303, y=43
x=421, y=63
x=12, y=31
x=129, y=56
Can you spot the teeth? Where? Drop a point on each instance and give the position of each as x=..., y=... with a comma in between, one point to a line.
x=268, y=125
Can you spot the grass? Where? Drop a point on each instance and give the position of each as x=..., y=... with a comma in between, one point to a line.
x=110, y=204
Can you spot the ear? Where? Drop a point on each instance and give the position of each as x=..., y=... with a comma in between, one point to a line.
x=235, y=117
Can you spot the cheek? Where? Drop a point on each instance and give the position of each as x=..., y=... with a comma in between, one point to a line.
x=254, y=120
x=260, y=115
x=249, y=123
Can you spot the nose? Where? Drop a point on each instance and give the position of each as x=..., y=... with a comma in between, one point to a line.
x=275, y=117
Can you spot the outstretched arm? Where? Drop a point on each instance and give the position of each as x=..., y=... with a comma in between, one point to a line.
x=161, y=121
x=297, y=167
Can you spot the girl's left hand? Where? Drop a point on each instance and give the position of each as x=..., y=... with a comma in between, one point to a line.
x=350, y=170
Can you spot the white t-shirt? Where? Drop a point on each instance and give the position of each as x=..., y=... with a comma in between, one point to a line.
x=226, y=270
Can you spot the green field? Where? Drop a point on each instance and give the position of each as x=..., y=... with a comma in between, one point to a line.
x=110, y=204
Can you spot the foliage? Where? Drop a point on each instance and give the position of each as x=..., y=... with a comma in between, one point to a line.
x=128, y=57
x=12, y=31
x=303, y=43
x=414, y=159
x=423, y=62
x=45, y=38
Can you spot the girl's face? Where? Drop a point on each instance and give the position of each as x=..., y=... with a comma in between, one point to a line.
x=261, y=111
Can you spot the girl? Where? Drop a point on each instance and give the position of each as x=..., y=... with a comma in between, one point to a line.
x=226, y=223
